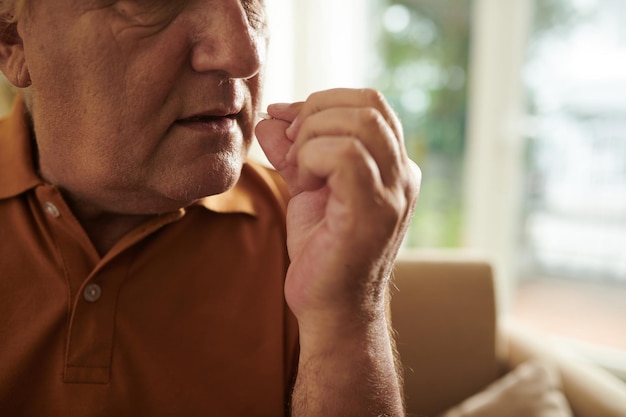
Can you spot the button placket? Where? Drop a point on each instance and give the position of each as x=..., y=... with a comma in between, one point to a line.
x=92, y=324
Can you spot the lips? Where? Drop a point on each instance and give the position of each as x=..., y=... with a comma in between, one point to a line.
x=210, y=124
x=209, y=116
x=206, y=118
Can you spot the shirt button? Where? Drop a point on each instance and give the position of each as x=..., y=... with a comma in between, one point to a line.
x=51, y=209
x=92, y=293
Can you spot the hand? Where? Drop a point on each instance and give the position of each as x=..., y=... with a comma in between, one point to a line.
x=353, y=188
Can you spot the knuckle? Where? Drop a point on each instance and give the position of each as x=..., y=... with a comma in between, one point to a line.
x=405, y=192
x=316, y=96
x=410, y=187
x=370, y=118
x=414, y=178
x=373, y=96
x=352, y=150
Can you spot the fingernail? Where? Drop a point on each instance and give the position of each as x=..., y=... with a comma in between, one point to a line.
x=277, y=107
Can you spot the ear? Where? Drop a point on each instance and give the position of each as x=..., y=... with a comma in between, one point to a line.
x=12, y=59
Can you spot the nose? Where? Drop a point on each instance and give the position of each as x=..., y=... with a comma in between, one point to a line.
x=226, y=41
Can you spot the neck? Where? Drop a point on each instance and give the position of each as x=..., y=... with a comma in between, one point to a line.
x=105, y=229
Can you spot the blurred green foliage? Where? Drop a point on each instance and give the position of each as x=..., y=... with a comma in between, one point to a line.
x=423, y=57
x=423, y=51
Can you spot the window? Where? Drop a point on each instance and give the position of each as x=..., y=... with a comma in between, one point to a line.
x=575, y=194
x=573, y=230
x=511, y=110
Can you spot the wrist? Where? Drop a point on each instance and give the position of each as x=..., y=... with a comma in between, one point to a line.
x=355, y=363
x=344, y=334
x=334, y=323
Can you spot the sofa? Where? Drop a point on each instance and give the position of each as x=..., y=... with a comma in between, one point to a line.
x=453, y=345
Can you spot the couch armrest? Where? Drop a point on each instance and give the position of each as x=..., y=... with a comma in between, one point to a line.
x=443, y=311
x=590, y=390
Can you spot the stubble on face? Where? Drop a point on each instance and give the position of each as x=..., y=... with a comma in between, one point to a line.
x=110, y=81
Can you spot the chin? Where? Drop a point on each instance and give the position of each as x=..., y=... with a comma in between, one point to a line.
x=205, y=181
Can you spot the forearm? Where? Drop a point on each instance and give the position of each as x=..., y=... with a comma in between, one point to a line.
x=348, y=372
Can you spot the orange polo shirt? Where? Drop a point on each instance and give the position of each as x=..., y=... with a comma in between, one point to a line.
x=185, y=316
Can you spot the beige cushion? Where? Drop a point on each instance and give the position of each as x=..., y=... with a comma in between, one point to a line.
x=530, y=390
x=590, y=390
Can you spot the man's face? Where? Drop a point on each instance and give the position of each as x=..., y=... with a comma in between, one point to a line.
x=143, y=106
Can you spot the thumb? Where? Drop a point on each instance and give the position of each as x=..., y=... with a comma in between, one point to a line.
x=275, y=144
x=274, y=141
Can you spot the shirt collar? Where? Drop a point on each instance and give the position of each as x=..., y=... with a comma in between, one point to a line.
x=18, y=175
x=17, y=172
x=236, y=200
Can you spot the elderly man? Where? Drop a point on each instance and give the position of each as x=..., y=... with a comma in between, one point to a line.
x=146, y=269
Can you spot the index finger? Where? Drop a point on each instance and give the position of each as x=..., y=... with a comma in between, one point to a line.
x=285, y=111
x=346, y=97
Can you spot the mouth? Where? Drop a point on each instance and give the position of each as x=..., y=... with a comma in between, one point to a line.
x=209, y=123
x=208, y=118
